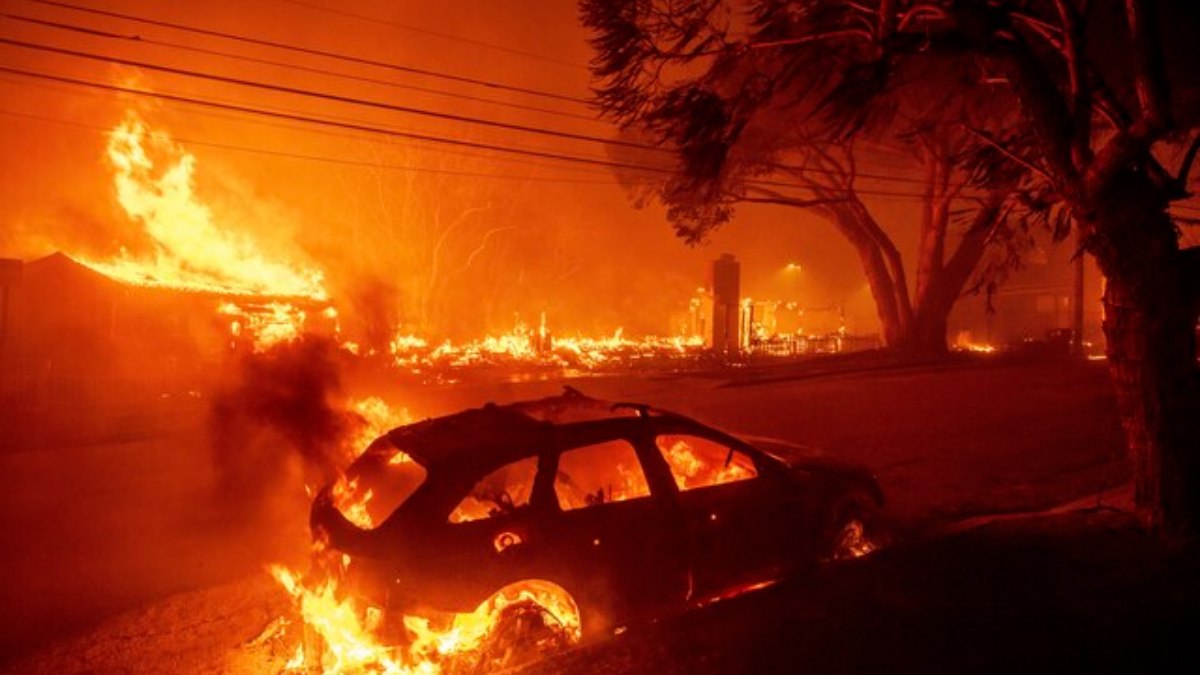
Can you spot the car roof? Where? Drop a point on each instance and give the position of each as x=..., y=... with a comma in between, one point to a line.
x=493, y=434
x=497, y=434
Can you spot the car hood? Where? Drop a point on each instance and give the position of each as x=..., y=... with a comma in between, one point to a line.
x=812, y=464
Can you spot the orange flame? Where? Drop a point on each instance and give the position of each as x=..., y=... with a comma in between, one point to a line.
x=524, y=346
x=348, y=640
x=191, y=251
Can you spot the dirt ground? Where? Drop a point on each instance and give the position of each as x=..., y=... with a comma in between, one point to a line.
x=119, y=561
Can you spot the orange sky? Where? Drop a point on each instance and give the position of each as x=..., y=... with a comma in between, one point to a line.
x=515, y=237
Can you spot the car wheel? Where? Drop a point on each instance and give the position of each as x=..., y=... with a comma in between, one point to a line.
x=853, y=527
x=534, y=619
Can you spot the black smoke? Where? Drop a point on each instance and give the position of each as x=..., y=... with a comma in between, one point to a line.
x=278, y=411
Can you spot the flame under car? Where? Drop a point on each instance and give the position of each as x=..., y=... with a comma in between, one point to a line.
x=632, y=511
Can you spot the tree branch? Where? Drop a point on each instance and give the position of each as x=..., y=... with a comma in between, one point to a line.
x=816, y=37
x=1077, y=84
x=1150, y=80
x=780, y=199
x=1045, y=108
x=1052, y=33
x=987, y=138
x=916, y=12
x=981, y=232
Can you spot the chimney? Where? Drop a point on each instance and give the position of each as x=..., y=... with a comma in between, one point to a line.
x=725, y=287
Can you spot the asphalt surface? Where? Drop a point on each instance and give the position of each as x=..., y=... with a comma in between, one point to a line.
x=121, y=559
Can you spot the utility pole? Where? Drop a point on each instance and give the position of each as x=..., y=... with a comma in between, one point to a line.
x=10, y=277
x=1077, y=301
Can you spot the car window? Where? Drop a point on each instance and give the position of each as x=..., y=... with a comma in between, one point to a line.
x=389, y=478
x=501, y=491
x=599, y=474
x=699, y=462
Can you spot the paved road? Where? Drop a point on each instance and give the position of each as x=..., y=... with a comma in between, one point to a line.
x=97, y=529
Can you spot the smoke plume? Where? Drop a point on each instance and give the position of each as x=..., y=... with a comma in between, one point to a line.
x=278, y=409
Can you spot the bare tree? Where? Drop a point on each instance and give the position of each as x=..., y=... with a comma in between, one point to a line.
x=429, y=229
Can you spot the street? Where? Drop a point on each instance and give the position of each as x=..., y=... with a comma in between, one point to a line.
x=112, y=528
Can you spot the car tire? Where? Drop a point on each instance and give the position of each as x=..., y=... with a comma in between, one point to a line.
x=524, y=631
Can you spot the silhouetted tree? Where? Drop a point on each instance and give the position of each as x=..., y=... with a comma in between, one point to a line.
x=1100, y=86
x=744, y=132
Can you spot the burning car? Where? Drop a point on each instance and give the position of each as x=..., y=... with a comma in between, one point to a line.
x=615, y=512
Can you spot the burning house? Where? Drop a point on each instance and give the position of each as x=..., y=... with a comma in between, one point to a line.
x=74, y=336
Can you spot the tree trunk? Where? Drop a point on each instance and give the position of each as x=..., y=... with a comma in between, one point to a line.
x=929, y=332
x=881, y=266
x=882, y=287
x=1151, y=350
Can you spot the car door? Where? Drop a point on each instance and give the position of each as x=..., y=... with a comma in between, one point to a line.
x=490, y=539
x=619, y=544
x=735, y=522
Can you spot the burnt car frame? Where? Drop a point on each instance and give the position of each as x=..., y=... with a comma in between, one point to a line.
x=655, y=546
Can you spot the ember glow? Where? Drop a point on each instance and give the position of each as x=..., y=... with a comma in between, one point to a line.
x=346, y=636
x=522, y=346
x=964, y=343
x=264, y=325
x=377, y=418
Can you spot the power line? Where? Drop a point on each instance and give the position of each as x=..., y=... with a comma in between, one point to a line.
x=642, y=146
x=141, y=39
x=317, y=128
x=396, y=108
x=353, y=126
x=434, y=33
x=370, y=129
x=310, y=93
x=312, y=51
x=319, y=158
x=306, y=92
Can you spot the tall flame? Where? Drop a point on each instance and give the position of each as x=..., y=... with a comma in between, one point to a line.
x=190, y=250
x=347, y=641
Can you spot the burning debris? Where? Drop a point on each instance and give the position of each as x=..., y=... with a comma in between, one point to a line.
x=526, y=348
x=515, y=625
